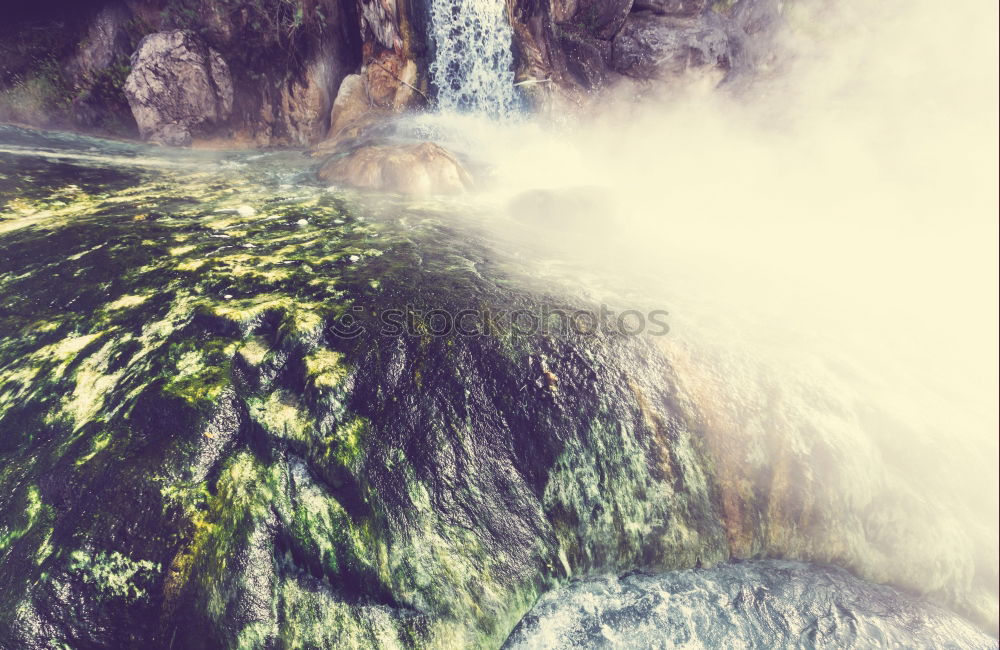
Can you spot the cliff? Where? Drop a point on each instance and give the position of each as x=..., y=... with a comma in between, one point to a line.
x=144, y=67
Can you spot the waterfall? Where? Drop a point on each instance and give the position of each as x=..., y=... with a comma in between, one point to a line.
x=473, y=67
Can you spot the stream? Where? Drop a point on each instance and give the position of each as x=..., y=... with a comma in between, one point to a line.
x=242, y=409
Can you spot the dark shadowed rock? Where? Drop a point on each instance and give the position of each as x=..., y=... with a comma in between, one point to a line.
x=104, y=41
x=586, y=57
x=673, y=7
x=178, y=87
x=651, y=46
x=602, y=19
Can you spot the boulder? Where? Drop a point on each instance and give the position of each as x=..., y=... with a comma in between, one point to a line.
x=385, y=86
x=423, y=168
x=651, y=46
x=178, y=87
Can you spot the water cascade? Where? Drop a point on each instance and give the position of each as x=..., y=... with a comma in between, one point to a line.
x=473, y=68
x=699, y=372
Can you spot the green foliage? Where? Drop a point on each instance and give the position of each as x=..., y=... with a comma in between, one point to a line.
x=274, y=27
x=33, y=97
x=40, y=86
x=99, y=100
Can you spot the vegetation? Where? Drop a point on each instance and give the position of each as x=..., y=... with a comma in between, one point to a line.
x=279, y=30
x=31, y=80
x=41, y=86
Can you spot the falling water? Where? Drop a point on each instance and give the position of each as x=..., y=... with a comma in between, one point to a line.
x=473, y=68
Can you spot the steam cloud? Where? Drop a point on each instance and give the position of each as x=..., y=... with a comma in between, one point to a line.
x=843, y=209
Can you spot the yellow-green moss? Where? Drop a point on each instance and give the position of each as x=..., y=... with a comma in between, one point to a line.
x=113, y=574
x=32, y=511
x=281, y=415
x=325, y=368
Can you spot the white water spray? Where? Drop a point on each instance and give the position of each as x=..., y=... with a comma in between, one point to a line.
x=473, y=68
x=826, y=248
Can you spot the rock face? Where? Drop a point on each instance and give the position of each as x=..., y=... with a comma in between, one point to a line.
x=655, y=47
x=178, y=86
x=586, y=57
x=380, y=23
x=602, y=18
x=305, y=101
x=104, y=42
x=578, y=46
x=267, y=74
x=390, y=80
x=351, y=103
x=424, y=168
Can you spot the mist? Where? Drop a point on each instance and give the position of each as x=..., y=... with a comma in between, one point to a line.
x=832, y=225
x=850, y=197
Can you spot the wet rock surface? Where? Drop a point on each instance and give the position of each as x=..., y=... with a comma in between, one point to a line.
x=657, y=47
x=195, y=458
x=760, y=604
x=673, y=7
x=199, y=449
x=178, y=86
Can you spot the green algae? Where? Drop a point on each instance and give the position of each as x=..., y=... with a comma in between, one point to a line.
x=32, y=511
x=326, y=368
x=281, y=415
x=346, y=441
x=98, y=444
x=293, y=489
x=114, y=575
x=250, y=491
x=199, y=376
